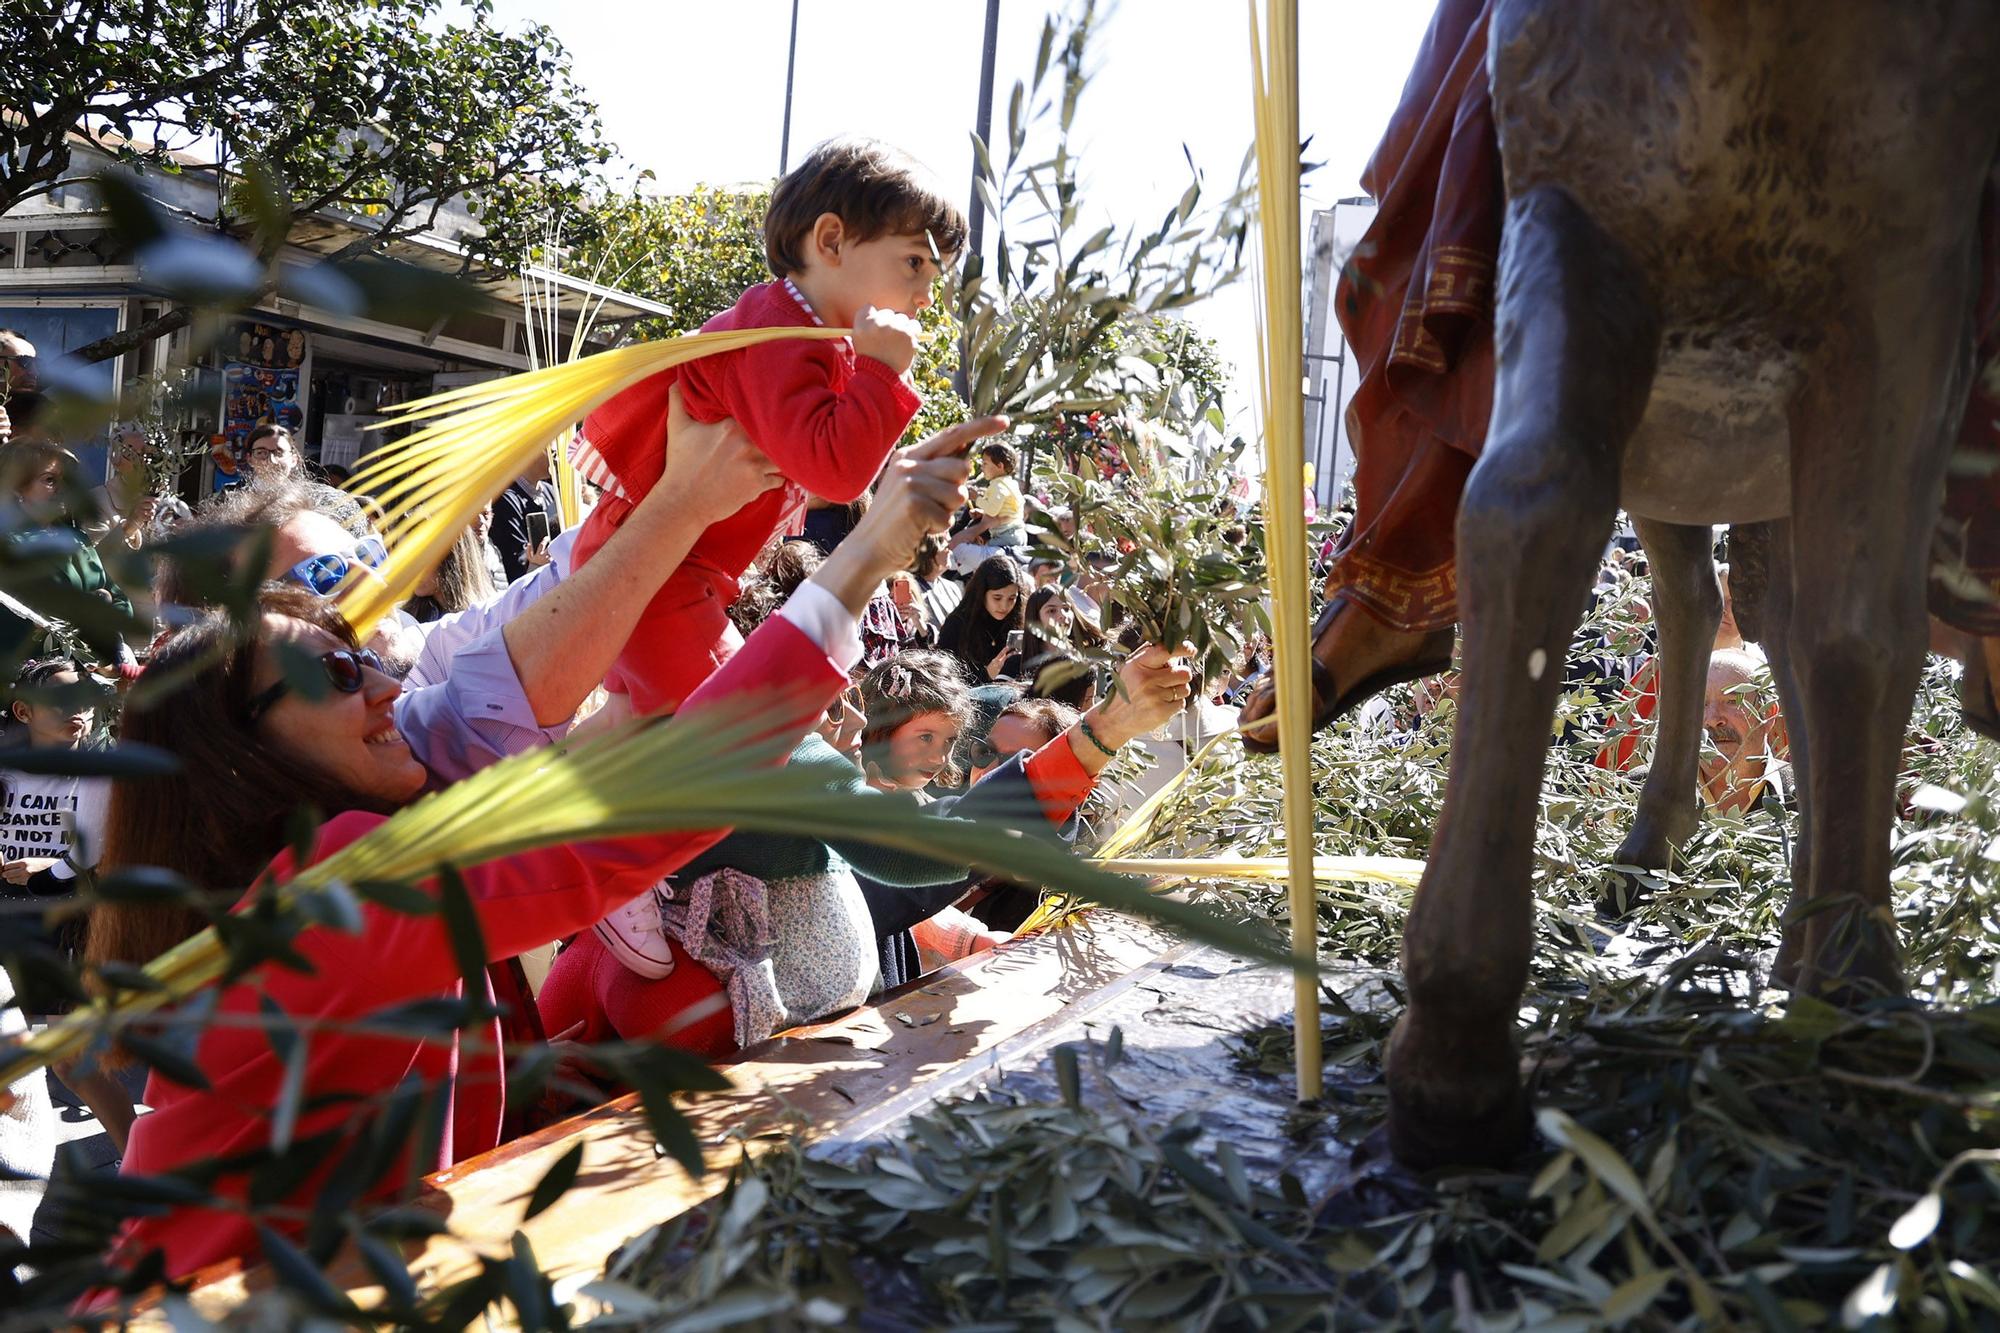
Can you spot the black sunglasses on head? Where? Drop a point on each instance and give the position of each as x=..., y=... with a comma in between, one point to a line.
x=345, y=671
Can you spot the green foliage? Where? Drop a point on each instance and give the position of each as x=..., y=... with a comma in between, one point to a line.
x=694, y=253
x=994, y=1209
x=1711, y=1156
x=698, y=252
x=1070, y=317
x=1179, y=563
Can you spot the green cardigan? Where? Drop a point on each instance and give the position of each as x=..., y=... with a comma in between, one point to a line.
x=59, y=554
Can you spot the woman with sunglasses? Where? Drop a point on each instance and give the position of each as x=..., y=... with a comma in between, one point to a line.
x=257, y=747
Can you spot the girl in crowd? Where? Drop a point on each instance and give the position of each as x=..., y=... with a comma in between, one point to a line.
x=916, y=707
x=995, y=605
x=1053, y=629
x=997, y=525
x=251, y=744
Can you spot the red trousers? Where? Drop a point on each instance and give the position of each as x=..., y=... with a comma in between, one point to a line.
x=688, y=1010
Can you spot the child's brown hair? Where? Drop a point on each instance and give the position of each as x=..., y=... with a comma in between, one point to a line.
x=874, y=190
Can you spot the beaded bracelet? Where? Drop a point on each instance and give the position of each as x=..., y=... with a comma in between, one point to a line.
x=1083, y=725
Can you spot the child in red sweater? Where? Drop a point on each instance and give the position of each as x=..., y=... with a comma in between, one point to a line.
x=854, y=237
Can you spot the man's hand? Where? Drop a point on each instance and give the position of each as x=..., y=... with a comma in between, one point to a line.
x=1154, y=684
x=537, y=555
x=921, y=488
x=15, y=871
x=887, y=336
x=713, y=467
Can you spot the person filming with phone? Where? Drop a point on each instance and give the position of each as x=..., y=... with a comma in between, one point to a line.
x=525, y=517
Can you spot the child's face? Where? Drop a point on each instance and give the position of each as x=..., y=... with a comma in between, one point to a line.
x=918, y=750
x=890, y=272
x=56, y=725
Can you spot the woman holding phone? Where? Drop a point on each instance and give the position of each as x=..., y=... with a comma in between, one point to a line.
x=994, y=607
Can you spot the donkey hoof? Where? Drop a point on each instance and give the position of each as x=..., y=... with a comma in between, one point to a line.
x=1452, y=1110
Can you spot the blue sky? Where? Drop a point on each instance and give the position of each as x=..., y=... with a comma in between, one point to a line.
x=693, y=90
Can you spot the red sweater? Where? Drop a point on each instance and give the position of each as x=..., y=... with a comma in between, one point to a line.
x=523, y=901
x=826, y=417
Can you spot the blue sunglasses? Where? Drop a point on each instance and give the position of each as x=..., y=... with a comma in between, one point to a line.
x=324, y=573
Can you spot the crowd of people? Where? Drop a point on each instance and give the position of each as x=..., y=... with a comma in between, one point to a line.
x=695, y=581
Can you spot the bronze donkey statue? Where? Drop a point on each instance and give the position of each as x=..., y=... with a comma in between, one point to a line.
x=1736, y=279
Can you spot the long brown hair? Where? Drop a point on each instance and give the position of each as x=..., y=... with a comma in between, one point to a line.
x=221, y=819
x=459, y=582
x=969, y=633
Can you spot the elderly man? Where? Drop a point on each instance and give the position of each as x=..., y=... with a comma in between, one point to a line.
x=1744, y=749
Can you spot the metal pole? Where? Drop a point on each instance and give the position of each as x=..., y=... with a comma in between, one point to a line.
x=983, y=124
x=791, y=66
x=985, y=115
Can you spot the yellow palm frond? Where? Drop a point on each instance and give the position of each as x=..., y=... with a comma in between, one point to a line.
x=479, y=437
x=1396, y=871
x=1274, y=68
x=1401, y=871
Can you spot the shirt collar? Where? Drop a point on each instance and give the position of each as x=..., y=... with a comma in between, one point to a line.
x=805, y=305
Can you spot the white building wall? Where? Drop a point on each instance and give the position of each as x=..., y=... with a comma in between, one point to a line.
x=1330, y=373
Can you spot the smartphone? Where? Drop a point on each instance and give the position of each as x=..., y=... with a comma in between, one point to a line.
x=538, y=528
x=1014, y=640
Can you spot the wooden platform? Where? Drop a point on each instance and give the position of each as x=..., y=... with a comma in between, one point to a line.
x=850, y=1078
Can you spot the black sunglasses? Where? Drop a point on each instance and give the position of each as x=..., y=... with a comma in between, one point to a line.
x=977, y=754
x=345, y=671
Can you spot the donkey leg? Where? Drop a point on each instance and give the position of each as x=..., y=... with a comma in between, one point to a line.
x=1871, y=429
x=1775, y=630
x=1578, y=340
x=1688, y=608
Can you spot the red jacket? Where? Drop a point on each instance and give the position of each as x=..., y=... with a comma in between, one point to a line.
x=523, y=901
x=826, y=417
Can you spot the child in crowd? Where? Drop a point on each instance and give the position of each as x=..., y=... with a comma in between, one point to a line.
x=994, y=607
x=854, y=237
x=51, y=828
x=998, y=526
